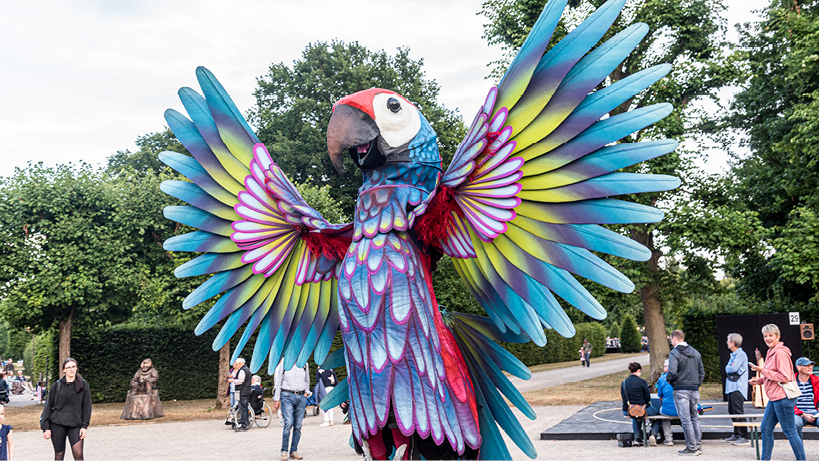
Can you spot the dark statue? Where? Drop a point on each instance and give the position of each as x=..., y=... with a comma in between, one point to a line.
x=142, y=401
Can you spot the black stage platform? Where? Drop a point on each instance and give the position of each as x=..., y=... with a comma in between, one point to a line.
x=604, y=420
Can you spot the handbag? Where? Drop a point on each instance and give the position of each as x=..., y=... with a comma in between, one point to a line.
x=791, y=389
x=734, y=377
x=634, y=411
x=637, y=411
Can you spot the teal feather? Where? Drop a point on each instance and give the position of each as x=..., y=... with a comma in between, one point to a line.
x=601, y=162
x=209, y=263
x=234, y=130
x=598, y=211
x=589, y=236
x=596, y=136
x=334, y=360
x=202, y=117
x=232, y=300
x=520, y=71
x=339, y=395
x=555, y=64
x=192, y=194
x=217, y=284
x=189, y=136
x=608, y=185
x=200, y=241
x=191, y=169
x=194, y=217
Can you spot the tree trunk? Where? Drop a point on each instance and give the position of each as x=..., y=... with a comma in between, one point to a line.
x=222, y=399
x=65, y=339
x=652, y=306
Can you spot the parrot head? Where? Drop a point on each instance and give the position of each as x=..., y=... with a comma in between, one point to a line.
x=377, y=126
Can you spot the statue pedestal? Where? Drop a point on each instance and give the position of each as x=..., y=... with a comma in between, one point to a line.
x=142, y=406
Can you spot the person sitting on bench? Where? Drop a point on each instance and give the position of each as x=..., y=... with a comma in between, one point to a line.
x=806, y=410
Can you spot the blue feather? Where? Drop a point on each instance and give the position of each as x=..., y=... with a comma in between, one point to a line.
x=194, y=217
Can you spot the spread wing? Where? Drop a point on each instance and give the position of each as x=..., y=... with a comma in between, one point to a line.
x=520, y=207
x=272, y=256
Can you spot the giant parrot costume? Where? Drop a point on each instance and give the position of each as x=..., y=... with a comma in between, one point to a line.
x=518, y=210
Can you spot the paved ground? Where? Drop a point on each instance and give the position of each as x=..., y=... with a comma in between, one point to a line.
x=559, y=376
x=21, y=400
x=212, y=440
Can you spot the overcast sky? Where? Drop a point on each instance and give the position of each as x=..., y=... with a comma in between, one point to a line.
x=81, y=79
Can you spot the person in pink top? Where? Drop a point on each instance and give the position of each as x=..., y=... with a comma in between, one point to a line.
x=778, y=369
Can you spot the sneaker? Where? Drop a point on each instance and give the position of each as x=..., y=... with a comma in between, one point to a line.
x=689, y=452
x=284, y=456
x=742, y=441
x=326, y=424
x=295, y=455
x=732, y=438
x=668, y=442
x=638, y=442
x=652, y=440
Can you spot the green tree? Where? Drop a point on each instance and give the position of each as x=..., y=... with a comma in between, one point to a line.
x=630, y=340
x=65, y=257
x=690, y=36
x=294, y=104
x=146, y=158
x=777, y=110
x=614, y=330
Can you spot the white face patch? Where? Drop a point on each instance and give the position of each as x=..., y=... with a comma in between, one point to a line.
x=397, y=120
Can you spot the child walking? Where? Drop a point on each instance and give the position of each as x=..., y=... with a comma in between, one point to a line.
x=6, y=444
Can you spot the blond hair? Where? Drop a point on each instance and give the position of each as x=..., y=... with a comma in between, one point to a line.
x=771, y=328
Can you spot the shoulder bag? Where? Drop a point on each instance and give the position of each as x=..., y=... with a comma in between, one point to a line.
x=791, y=389
x=634, y=411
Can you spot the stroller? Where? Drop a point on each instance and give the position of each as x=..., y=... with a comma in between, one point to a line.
x=312, y=401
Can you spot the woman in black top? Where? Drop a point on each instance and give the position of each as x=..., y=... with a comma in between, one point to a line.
x=635, y=391
x=67, y=412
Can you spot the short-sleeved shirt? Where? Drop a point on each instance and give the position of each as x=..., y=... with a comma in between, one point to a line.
x=4, y=441
x=805, y=401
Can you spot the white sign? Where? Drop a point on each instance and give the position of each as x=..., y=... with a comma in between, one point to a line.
x=794, y=318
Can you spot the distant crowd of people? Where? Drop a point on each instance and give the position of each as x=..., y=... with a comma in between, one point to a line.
x=793, y=396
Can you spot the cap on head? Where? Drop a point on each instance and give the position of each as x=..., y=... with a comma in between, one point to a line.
x=804, y=361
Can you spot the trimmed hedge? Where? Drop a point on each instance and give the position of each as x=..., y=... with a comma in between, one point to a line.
x=560, y=349
x=188, y=367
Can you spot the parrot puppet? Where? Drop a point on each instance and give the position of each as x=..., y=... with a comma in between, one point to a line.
x=519, y=210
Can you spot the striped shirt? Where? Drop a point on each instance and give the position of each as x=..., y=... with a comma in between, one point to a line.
x=805, y=401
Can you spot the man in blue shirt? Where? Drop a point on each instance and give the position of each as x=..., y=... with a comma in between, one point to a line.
x=736, y=387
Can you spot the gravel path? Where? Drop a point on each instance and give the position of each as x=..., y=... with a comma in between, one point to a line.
x=549, y=378
x=212, y=440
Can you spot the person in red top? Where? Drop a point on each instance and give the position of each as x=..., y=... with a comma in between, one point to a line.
x=807, y=405
x=778, y=369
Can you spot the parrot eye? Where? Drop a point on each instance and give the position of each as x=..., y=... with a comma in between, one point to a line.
x=393, y=105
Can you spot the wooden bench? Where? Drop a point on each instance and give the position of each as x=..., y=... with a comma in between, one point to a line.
x=754, y=439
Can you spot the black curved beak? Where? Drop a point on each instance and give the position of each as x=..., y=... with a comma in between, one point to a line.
x=349, y=127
